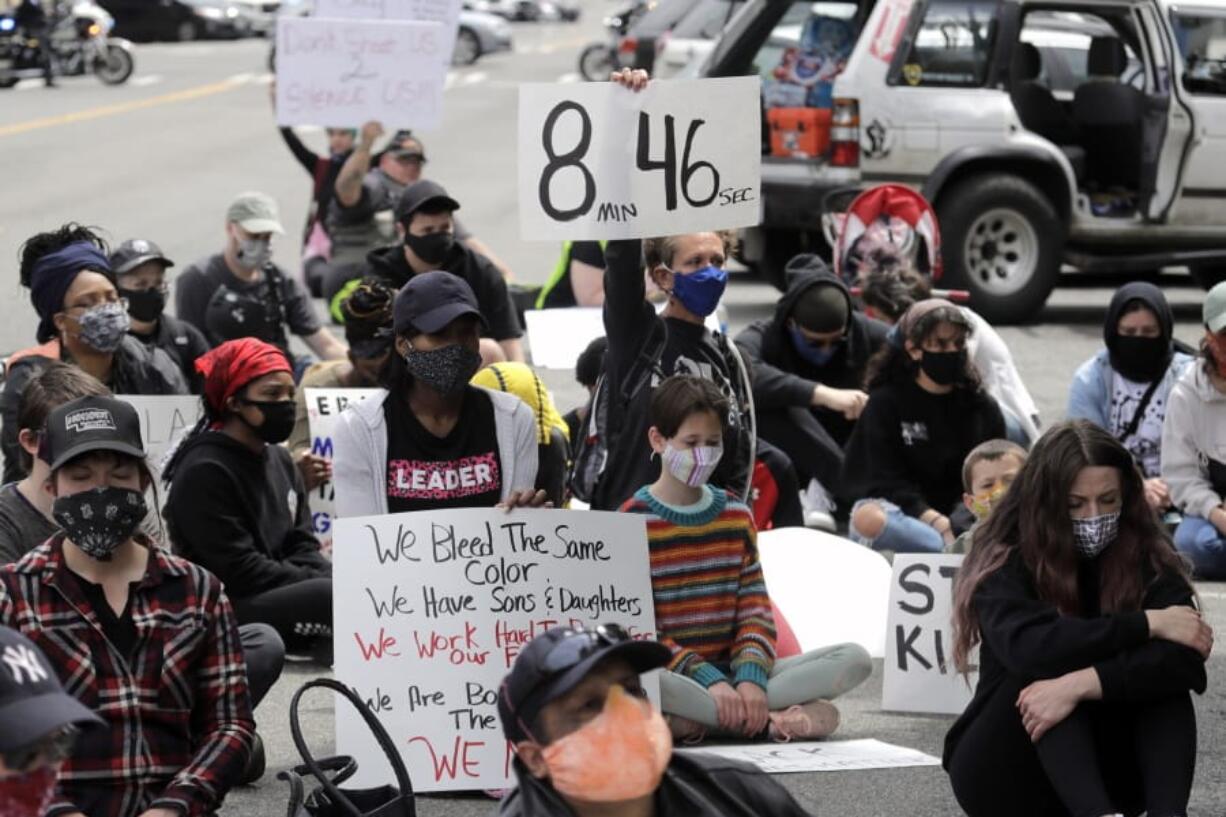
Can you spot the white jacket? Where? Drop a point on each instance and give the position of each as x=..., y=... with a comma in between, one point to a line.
x=992, y=359
x=1193, y=433
x=359, y=452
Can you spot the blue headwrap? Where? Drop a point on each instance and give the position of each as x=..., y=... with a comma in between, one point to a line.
x=54, y=273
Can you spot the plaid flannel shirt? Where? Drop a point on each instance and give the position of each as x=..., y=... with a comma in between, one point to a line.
x=178, y=708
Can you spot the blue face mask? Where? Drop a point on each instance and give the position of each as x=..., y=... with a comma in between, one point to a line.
x=700, y=291
x=817, y=355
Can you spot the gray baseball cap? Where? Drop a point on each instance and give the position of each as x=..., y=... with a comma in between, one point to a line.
x=1215, y=308
x=255, y=213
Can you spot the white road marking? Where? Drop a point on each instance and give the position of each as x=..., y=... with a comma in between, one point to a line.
x=571, y=77
x=143, y=81
x=475, y=77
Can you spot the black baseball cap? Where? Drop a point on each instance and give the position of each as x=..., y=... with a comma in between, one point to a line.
x=32, y=702
x=91, y=424
x=430, y=301
x=420, y=193
x=131, y=254
x=556, y=661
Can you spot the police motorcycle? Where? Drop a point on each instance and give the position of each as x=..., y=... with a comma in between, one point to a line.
x=80, y=45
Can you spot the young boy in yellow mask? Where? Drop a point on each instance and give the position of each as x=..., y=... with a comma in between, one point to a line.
x=987, y=473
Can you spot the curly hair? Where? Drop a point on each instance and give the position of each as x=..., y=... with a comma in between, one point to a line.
x=39, y=244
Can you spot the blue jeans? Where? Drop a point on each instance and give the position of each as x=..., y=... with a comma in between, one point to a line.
x=1201, y=542
x=901, y=534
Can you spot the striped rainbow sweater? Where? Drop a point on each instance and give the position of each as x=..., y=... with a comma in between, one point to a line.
x=712, y=609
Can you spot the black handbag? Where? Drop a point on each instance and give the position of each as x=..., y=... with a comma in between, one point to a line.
x=329, y=799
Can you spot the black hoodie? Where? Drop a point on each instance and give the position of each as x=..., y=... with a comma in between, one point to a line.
x=502, y=321
x=243, y=516
x=1122, y=360
x=783, y=379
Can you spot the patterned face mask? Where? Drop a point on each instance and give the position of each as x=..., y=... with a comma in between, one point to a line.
x=447, y=369
x=101, y=519
x=103, y=326
x=1093, y=535
x=982, y=503
x=693, y=466
x=27, y=794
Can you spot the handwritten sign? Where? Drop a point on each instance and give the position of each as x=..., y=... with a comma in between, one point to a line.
x=919, y=669
x=343, y=73
x=323, y=407
x=826, y=756
x=164, y=419
x=446, y=12
x=598, y=161
x=438, y=605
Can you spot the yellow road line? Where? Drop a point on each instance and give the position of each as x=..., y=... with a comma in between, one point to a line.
x=122, y=107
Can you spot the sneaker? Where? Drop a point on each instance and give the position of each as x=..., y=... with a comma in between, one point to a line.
x=820, y=520
x=685, y=730
x=816, y=719
x=255, y=763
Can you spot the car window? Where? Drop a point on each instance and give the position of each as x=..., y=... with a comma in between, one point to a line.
x=706, y=20
x=953, y=45
x=1202, y=42
x=1063, y=39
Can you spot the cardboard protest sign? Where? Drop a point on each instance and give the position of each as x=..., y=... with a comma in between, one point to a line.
x=323, y=407
x=824, y=756
x=598, y=161
x=919, y=669
x=343, y=73
x=437, y=605
x=164, y=419
x=446, y=12
x=556, y=337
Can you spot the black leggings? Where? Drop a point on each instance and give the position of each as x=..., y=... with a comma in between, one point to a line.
x=301, y=613
x=1105, y=758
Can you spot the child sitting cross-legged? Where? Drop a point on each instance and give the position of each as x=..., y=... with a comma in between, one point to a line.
x=712, y=606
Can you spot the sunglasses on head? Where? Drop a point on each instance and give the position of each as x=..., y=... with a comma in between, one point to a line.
x=52, y=748
x=409, y=157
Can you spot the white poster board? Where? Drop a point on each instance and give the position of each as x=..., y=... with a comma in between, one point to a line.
x=437, y=605
x=344, y=73
x=556, y=337
x=599, y=161
x=919, y=660
x=323, y=407
x=446, y=12
x=823, y=756
x=164, y=419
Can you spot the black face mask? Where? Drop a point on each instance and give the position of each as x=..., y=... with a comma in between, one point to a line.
x=944, y=368
x=1141, y=360
x=100, y=520
x=433, y=248
x=278, y=419
x=145, y=304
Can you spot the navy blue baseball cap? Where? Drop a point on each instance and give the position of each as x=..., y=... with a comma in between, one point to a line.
x=33, y=704
x=430, y=301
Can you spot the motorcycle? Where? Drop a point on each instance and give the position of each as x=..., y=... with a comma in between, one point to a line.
x=79, y=44
x=598, y=60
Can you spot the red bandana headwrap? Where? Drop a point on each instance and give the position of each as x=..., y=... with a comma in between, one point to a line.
x=234, y=364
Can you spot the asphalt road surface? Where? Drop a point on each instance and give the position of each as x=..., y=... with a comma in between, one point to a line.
x=162, y=156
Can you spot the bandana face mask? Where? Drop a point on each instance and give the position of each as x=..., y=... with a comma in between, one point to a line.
x=100, y=520
x=619, y=755
x=27, y=794
x=1092, y=536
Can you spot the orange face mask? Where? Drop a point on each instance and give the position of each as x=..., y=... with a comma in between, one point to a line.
x=629, y=736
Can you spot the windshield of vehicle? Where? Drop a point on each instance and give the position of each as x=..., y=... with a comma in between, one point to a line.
x=706, y=20
x=1202, y=41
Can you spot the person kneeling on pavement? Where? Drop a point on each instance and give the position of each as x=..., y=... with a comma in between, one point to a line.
x=146, y=639
x=712, y=608
x=808, y=364
x=587, y=742
x=237, y=505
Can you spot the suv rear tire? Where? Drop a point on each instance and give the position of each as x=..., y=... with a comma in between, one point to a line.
x=1002, y=241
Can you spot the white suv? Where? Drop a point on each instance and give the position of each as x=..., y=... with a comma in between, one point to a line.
x=1090, y=133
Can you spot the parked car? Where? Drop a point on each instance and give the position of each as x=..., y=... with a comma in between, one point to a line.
x=646, y=37
x=145, y=20
x=693, y=38
x=1046, y=134
x=261, y=14
x=479, y=34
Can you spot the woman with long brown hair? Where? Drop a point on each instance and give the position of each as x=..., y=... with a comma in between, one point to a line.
x=1089, y=642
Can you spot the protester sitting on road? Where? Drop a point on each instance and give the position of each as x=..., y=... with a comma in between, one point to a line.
x=368, y=331
x=578, y=279
x=552, y=433
x=1194, y=447
x=237, y=505
x=433, y=440
x=140, y=272
x=926, y=411
x=241, y=293
x=146, y=639
x=588, y=742
x=1125, y=387
x=39, y=725
x=987, y=473
x=1089, y=642
x=425, y=223
x=712, y=608
x=890, y=292
x=82, y=321
x=808, y=364
x=588, y=367
x=360, y=214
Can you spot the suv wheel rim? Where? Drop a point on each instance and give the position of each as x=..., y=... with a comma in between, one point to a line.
x=1001, y=252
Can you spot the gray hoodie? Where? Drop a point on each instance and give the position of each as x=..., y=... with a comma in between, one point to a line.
x=359, y=463
x=1193, y=433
